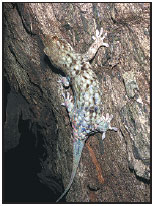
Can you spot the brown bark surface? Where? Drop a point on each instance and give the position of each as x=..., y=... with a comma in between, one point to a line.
x=124, y=71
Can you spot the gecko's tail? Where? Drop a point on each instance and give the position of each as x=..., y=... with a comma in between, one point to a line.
x=77, y=150
x=66, y=190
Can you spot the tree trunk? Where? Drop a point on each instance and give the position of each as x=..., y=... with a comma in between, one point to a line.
x=35, y=121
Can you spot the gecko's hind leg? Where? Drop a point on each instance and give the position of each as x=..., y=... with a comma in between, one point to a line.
x=104, y=125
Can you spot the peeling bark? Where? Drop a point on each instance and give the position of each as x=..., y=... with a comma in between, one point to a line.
x=124, y=71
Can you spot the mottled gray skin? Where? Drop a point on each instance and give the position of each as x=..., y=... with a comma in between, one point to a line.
x=85, y=109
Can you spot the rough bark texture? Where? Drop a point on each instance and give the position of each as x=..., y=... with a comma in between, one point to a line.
x=123, y=69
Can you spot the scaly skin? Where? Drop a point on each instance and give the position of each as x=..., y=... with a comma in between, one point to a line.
x=85, y=111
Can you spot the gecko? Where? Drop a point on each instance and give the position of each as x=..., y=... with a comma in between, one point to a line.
x=85, y=106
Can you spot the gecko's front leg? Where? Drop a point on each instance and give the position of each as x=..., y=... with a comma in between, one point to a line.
x=68, y=99
x=68, y=103
x=98, y=42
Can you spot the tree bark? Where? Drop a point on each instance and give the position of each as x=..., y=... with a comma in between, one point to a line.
x=123, y=69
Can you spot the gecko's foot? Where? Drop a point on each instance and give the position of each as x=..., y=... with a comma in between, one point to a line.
x=104, y=124
x=100, y=39
x=108, y=119
x=63, y=104
x=68, y=101
x=64, y=81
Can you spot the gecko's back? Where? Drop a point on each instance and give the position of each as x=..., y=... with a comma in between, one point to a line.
x=86, y=87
